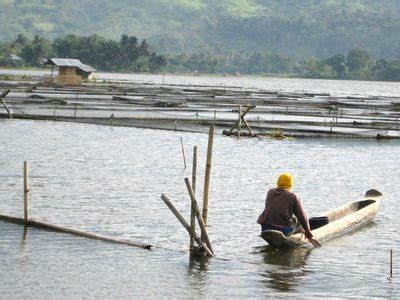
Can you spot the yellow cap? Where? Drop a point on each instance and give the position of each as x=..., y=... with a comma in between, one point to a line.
x=285, y=181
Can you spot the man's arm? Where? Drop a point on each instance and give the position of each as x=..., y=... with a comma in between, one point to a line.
x=301, y=215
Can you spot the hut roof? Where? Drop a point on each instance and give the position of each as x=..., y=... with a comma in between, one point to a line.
x=13, y=56
x=67, y=62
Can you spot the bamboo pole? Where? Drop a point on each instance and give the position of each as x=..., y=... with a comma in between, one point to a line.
x=3, y=95
x=198, y=215
x=6, y=107
x=183, y=153
x=240, y=121
x=185, y=224
x=76, y=107
x=26, y=191
x=248, y=127
x=206, y=190
x=391, y=263
x=62, y=229
x=111, y=119
x=241, y=116
x=192, y=212
x=194, y=169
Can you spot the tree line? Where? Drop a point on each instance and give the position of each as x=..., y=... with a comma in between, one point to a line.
x=127, y=54
x=130, y=54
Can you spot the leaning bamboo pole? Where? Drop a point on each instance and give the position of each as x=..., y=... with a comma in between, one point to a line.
x=198, y=215
x=183, y=153
x=3, y=95
x=185, y=224
x=62, y=229
x=208, y=173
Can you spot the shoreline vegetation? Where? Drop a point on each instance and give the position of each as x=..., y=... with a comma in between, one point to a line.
x=129, y=54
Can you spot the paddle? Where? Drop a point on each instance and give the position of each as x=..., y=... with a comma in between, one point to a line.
x=315, y=243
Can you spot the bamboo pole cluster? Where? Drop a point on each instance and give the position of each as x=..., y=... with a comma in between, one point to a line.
x=204, y=244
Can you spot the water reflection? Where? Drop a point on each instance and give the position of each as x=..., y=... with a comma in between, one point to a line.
x=198, y=265
x=281, y=268
x=24, y=235
x=197, y=273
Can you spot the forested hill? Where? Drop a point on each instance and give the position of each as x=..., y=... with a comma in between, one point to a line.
x=295, y=28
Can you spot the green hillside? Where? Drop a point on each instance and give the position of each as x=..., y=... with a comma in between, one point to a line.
x=298, y=28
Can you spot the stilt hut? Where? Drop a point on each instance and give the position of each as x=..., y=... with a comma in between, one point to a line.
x=70, y=71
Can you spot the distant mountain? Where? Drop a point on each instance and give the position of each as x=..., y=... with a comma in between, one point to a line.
x=296, y=28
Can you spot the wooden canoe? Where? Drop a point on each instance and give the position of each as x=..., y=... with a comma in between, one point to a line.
x=341, y=220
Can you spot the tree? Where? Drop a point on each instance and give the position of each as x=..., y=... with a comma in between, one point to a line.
x=357, y=59
x=66, y=46
x=144, y=48
x=157, y=62
x=380, y=68
x=20, y=42
x=392, y=71
x=338, y=64
x=34, y=52
x=129, y=50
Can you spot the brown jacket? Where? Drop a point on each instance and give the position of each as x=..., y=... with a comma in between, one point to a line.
x=280, y=206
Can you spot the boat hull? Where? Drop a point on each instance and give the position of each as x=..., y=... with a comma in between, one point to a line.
x=341, y=220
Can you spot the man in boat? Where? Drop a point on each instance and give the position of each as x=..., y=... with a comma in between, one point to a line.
x=281, y=206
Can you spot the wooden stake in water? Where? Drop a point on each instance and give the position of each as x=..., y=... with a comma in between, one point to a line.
x=183, y=153
x=194, y=169
x=391, y=263
x=240, y=121
x=198, y=215
x=208, y=173
x=76, y=107
x=26, y=191
x=111, y=119
x=192, y=210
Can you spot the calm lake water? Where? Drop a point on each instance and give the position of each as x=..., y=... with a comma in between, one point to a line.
x=108, y=180
x=333, y=87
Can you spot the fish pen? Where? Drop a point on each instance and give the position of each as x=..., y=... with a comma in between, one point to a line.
x=193, y=108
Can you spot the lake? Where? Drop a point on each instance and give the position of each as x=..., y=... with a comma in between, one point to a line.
x=108, y=180
x=334, y=87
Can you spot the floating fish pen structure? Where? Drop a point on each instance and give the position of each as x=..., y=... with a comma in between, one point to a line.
x=194, y=108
